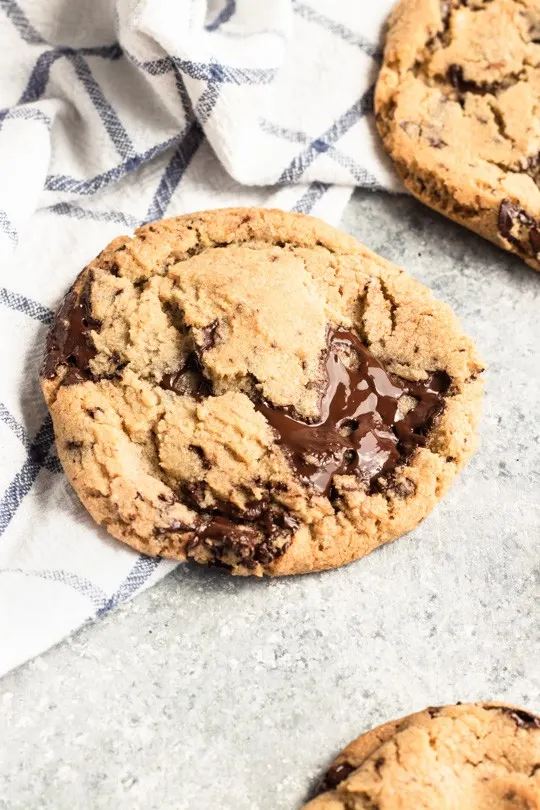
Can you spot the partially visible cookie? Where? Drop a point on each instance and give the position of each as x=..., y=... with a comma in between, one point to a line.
x=478, y=756
x=458, y=107
x=255, y=390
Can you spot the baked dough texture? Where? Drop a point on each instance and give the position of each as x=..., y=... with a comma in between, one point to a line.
x=458, y=107
x=478, y=756
x=256, y=390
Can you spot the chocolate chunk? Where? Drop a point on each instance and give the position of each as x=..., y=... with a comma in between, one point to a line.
x=511, y=214
x=209, y=336
x=522, y=719
x=194, y=493
x=117, y=366
x=334, y=775
x=534, y=237
x=228, y=534
x=176, y=381
x=412, y=428
x=389, y=483
x=268, y=551
x=361, y=430
x=275, y=520
x=463, y=85
x=434, y=711
x=507, y=212
x=455, y=77
x=189, y=379
x=252, y=511
x=195, y=448
x=258, y=533
x=69, y=341
x=223, y=540
x=519, y=227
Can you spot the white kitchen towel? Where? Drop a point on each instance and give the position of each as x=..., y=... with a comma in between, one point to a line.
x=116, y=112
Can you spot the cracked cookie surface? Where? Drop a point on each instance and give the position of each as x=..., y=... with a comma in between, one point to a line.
x=458, y=107
x=480, y=756
x=254, y=389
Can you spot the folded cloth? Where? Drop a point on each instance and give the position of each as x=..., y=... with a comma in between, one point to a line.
x=116, y=112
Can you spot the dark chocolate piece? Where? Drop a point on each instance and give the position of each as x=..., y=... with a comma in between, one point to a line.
x=258, y=533
x=507, y=213
x=455, y=77
x=462, y=85
x=335, y=775
x=519, y=228
x=221, y=537
x=361, y=430
x=195, y=448
x=522, y=718
x=389, y=483
x=69, y=341
x=534, y=237
x=209, y=336
x=189, y=379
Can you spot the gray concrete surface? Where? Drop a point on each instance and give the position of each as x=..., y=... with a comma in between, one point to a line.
x=209, y=692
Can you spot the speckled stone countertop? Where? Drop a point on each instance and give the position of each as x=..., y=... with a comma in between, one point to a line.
x=212, y=692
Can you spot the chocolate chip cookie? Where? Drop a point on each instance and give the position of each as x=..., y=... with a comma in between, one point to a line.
x=478, y=756
x=254, y=389
x=457, y=104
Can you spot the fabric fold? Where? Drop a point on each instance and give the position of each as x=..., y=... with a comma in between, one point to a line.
x=114, y=113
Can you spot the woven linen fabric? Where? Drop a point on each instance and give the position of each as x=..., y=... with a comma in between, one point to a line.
x=114, y=113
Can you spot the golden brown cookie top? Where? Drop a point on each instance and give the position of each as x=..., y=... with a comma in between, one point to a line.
x=467, y=757
x=457, y=105
x=248, y=388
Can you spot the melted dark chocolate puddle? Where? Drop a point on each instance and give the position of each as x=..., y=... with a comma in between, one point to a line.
x=361, y=430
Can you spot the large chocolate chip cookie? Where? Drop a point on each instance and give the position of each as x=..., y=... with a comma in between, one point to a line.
x=477, y=756
x=458, y=107
x=254, y=389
